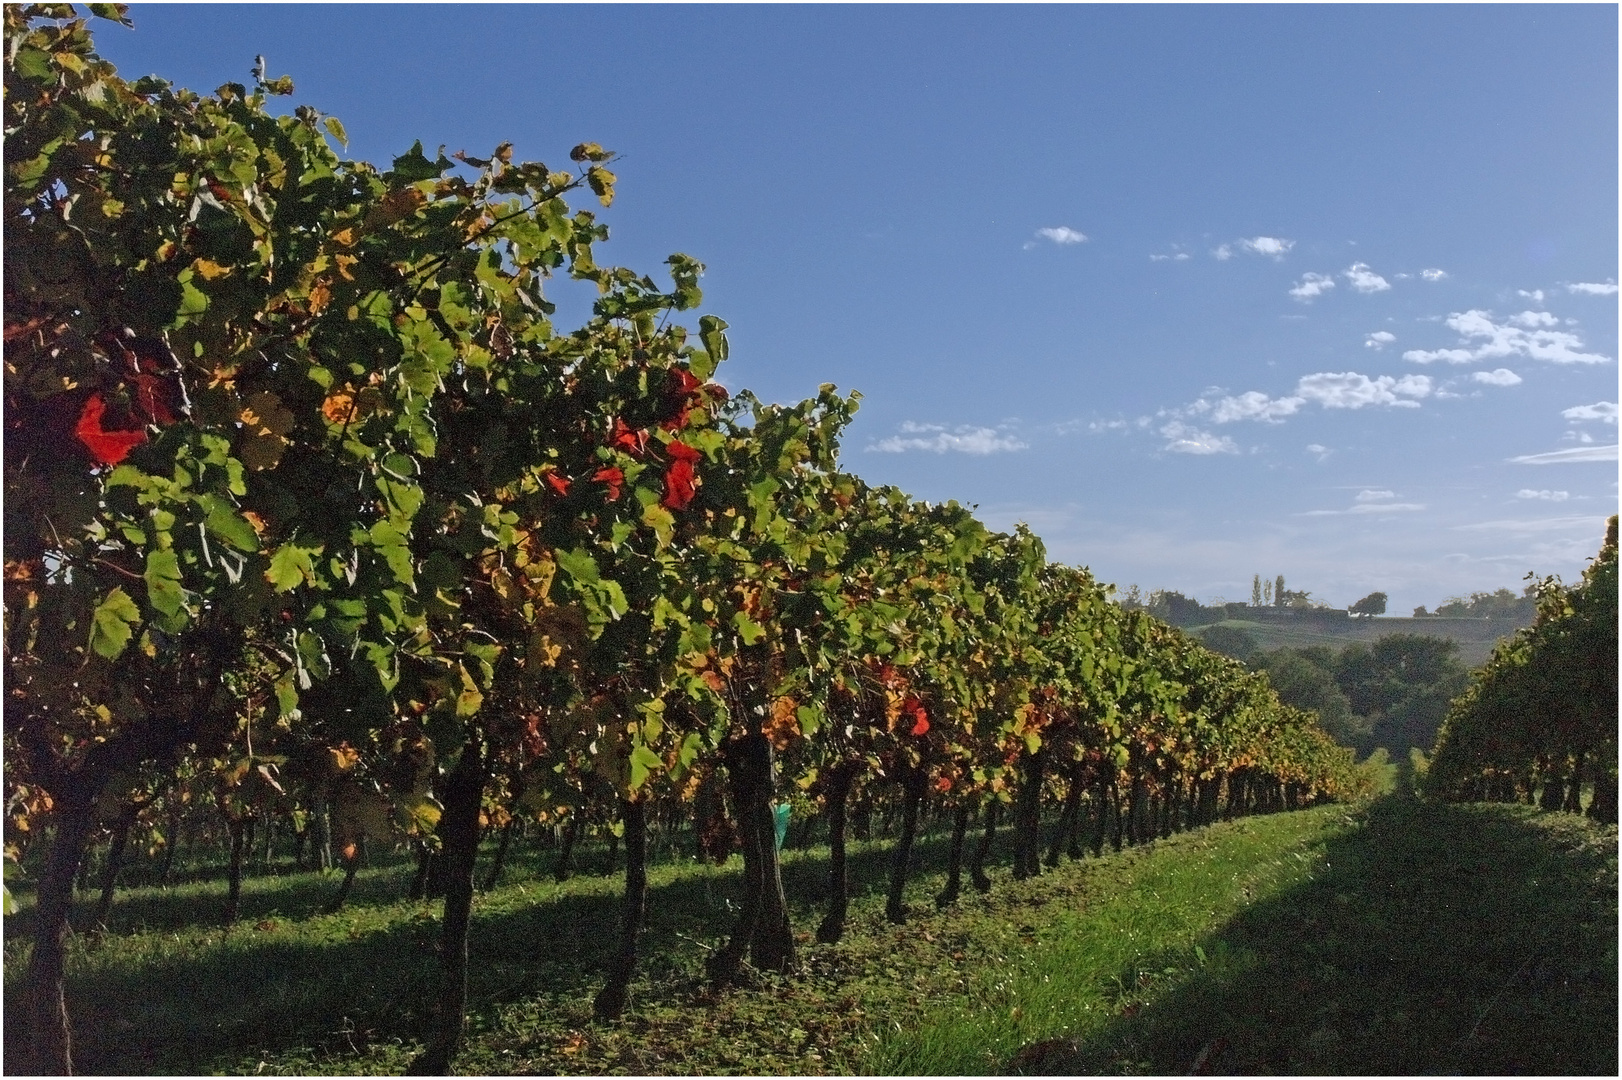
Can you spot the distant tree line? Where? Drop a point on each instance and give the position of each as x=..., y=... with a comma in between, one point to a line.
x=1501, y=604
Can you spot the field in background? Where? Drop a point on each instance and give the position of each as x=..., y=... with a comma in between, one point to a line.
x=1475, y=637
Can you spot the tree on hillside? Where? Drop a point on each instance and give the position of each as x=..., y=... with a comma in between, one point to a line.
x=1402, y=684
x=1256, y=591
x=1278, y=591
x=1372, y=604
x=1231, y=641
x=1305, y=678
x=1499, y=604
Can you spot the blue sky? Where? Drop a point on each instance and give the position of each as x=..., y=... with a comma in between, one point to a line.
x=1197, y=292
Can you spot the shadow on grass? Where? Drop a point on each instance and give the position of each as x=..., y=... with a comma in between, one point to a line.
x=1439, y=939
x=183, y=996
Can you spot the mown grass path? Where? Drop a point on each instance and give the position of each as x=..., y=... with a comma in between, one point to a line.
x=1400, y=938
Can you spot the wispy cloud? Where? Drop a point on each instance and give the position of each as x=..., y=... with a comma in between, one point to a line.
x=1379, y=339
x=1532, y=526
x=1057, y=234
x=1349, y=390
x=1222, y=252
x=1575, y=456
x=1379, y=505
x=1320, y=451
x=1365, y=280
x=1374, y=495
x=1311, y=286
x=1433, y=274
x=1592, y=288
x=1527, y=334
x=1534, y=295
x=1183, y=439
x=1545, y=494
x=1600, y=410
x=938, y=439
x=1498, y=377
x=1181, y=256
x=1274, y=247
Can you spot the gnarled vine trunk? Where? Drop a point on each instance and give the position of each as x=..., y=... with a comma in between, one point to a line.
x=832, y=927
x=763, y=929
x=912, y=795
x=611, y=999
x=464, y=790
x=954, y=858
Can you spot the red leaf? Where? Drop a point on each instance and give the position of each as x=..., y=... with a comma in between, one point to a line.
x=679, y=488
x=680, y=451
x=613, y=476
x=152, y=398
x=107, y=447
x=922, y=726
x=560, y=484
x=623, y=438
x=682, y=382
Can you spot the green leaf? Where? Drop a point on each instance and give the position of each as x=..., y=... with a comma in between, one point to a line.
x=224, y=522
x=116, y=12
x=712, y=331
x=643, y=761
x=748, y=629
x=113, y=624
x=290, y=566
x=579, y=565
x=33, y=63
x=162, y=576
x=193, y=302
x=469, y=700
x=336, y=130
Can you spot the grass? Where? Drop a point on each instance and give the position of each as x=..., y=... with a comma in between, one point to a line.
x=1401, y=938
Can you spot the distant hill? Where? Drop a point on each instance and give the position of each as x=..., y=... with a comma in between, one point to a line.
x=1475, y=637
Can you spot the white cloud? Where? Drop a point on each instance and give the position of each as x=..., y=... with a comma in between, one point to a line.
x=1369, y=508
x=1526, y=334
x=1321, y=451
x=1189, y=440
x=1600, y=410
x=1576, y=455
x=1251, y=405
x=1370, y=495
x=935, y=438
x=1433, y=274
x=1058, y=234
x=1312, y=286
x=1545, y=494
x=1365, y=280
x=1222, y=253
x=1272, y=246
x=1592, y=288
x=1536, y=295
x=1181, y=256
x=1499, y=377
x=1379, y=339
x=1349, y=390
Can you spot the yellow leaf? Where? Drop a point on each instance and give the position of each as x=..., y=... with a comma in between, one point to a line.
x=209, y=269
